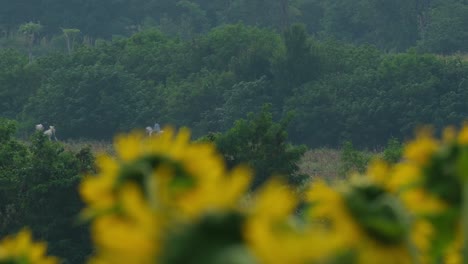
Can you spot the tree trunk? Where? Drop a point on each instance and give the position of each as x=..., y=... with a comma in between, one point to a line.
x=422, y=12
x=31, y=43
x=67, y=39
x=284, y=5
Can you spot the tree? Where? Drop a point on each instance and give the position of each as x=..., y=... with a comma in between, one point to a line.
x=446, y=32
x=18, y=82
x=192, y=20
x=38, y=189
x=70, y=35
x=50, y=201
x=262, y=144
x=298, y=65
x=393, y=151
x=246, y=50
x=31, y=31
x=352, y=160
x=13, y=157
x=94, y=101
x=284, y=6
x=193, y=101
x=243, y=98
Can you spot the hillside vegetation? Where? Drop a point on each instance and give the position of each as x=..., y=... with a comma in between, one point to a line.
x=336, y=91
x=430, y=25
x=362, y=71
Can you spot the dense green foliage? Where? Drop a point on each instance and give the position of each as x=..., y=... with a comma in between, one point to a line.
x=352, y=160
x=95, y=69
x=38, y=189
x=338, y=91
x=432, y=25
x=393, y=151
x=262, y=144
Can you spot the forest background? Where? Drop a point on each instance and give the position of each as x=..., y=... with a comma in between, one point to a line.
x=324, y=71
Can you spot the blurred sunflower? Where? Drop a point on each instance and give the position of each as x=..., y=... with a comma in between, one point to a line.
x=420, y=150
x=436, y=194
x=172, y=172
x=152, y=188
x=368, y=221
x=453, y=252
x=275, y=235
x=402, y=180
x=430, y=182
x=20, y=249
x=432, y=172
x=130, y=236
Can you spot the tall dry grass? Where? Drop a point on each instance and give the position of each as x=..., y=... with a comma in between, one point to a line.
x=323, y=162
x=96, y=147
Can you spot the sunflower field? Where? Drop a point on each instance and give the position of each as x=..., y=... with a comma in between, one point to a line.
x=167, y=199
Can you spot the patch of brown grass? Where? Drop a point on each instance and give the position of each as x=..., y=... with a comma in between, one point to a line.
x=97, y=147
x=323, y=162
x=461, y=56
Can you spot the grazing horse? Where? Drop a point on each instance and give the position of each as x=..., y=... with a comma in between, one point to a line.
x=50, y=132
x=149, y=131
x=156, y=129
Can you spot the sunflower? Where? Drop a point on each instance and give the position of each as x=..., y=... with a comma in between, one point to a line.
x=173, y=173
x=433, y=174
x=21, y=249
x=130, y=236
x=152, y=187
x=367, y=220
x=429, y=182
x=421, y=149
x=98, y=191
x=403, y=180
x=273, y=233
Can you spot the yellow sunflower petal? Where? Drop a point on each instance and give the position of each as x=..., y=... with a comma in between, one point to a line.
x=128, y=147
x=419, y=201
x=378, y=172
x=463, y=135
x=420, y=150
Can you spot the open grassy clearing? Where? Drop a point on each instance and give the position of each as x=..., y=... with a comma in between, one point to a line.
x=97, y=147
x=323, y=162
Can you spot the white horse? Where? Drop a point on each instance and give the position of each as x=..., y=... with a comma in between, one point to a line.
x=50, y=132
x=149, y=131
x=156, y=129
x=39, y=127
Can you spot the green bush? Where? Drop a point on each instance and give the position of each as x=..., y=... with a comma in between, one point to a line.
x=393, y=152
x=262, y=144
x=353, y=160
x=38, y=183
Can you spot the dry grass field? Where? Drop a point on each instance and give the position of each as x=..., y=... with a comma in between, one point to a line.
x=96, y=146
x=323, y=162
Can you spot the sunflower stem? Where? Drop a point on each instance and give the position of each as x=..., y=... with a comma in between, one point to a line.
x=465, y=221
